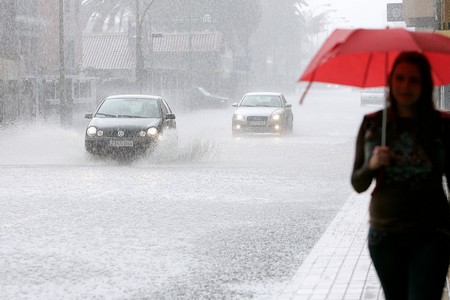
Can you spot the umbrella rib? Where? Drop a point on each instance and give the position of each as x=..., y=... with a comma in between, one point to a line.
x=313, y=75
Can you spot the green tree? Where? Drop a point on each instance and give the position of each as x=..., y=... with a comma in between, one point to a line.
x=100, y=13
x=311, y=24
x=239, y=19
x=236, y=19
x=277, y=47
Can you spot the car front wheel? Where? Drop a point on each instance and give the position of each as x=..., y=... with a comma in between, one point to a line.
x=235, y=133
x=288, y=127
x=90, y=148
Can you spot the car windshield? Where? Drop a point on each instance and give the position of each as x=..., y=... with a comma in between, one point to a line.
x=129, y=108
x=261, y=100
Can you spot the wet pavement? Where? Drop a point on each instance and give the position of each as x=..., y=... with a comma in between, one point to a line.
x=339, y=265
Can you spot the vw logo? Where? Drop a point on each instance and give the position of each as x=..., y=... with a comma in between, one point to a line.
x=120, y=133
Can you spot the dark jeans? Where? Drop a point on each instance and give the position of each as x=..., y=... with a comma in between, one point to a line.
x=410, y=266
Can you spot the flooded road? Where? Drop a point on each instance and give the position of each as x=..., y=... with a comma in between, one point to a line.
x=218, y=217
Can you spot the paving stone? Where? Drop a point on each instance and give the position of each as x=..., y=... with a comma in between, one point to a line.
x=339, y=266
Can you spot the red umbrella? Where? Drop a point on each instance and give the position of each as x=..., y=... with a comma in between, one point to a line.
x=363, y=57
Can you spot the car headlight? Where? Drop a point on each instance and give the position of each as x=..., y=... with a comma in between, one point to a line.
x=276, y=117
x=239, y=117
x=142, y=133
x=152, y=131
x=91, y=131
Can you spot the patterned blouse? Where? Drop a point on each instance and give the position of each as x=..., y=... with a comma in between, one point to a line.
x=409, y=194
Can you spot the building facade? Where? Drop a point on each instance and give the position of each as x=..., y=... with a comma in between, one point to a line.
x=430, y=15
x=178, y=53
x=30, y=57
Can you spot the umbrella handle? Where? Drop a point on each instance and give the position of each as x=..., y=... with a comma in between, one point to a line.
x=305, y=92
x=384, y=123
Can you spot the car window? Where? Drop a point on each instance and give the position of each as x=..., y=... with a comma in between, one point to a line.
x=149, y=109
x=249, y=101
x=261, y=100
x=128, y=108
x=112, y=108
x=270, y=101
x=164, y=107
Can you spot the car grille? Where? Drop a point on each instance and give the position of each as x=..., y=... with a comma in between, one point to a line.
x=117, y=133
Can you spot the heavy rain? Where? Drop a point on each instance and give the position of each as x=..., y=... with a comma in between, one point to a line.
x=216, y=215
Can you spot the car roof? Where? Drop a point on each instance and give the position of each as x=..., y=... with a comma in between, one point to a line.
x=263, y=94
x=133, y=96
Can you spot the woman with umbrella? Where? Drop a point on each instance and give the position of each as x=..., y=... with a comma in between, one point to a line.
x=409, y=211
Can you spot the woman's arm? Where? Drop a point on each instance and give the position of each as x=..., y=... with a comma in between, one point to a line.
x=445, y=123
x=362, y=175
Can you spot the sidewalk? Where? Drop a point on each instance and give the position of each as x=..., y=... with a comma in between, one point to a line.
x=339, y=265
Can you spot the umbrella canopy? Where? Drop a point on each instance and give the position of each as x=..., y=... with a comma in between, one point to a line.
x=363, y=57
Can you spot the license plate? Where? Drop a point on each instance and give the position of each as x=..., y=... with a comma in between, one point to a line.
x=257, y=123
x=121, y=143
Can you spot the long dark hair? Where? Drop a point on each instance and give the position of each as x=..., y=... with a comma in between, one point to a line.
x=425, y=105
x=427, y=118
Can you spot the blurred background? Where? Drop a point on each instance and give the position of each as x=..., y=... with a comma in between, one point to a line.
x=61, y=57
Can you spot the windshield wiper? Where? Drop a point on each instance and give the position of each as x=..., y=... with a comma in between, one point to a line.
x=107, y=115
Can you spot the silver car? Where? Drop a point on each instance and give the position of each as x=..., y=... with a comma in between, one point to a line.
x=262, y=113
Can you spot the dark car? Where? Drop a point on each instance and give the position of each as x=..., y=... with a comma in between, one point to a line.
x=129, y=124
x=262, y=113
x=200, y=98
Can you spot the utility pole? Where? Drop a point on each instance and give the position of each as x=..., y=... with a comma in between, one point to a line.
x=139, y=56
x=140, y=60
x=62, y=76
x=190, y=47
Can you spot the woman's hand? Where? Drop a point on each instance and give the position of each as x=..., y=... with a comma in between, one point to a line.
x=380, y=158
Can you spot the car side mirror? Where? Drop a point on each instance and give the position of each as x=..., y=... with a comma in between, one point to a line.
x=288, y=105
x=234, y=104
x=88, y=116
x=170, y=116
